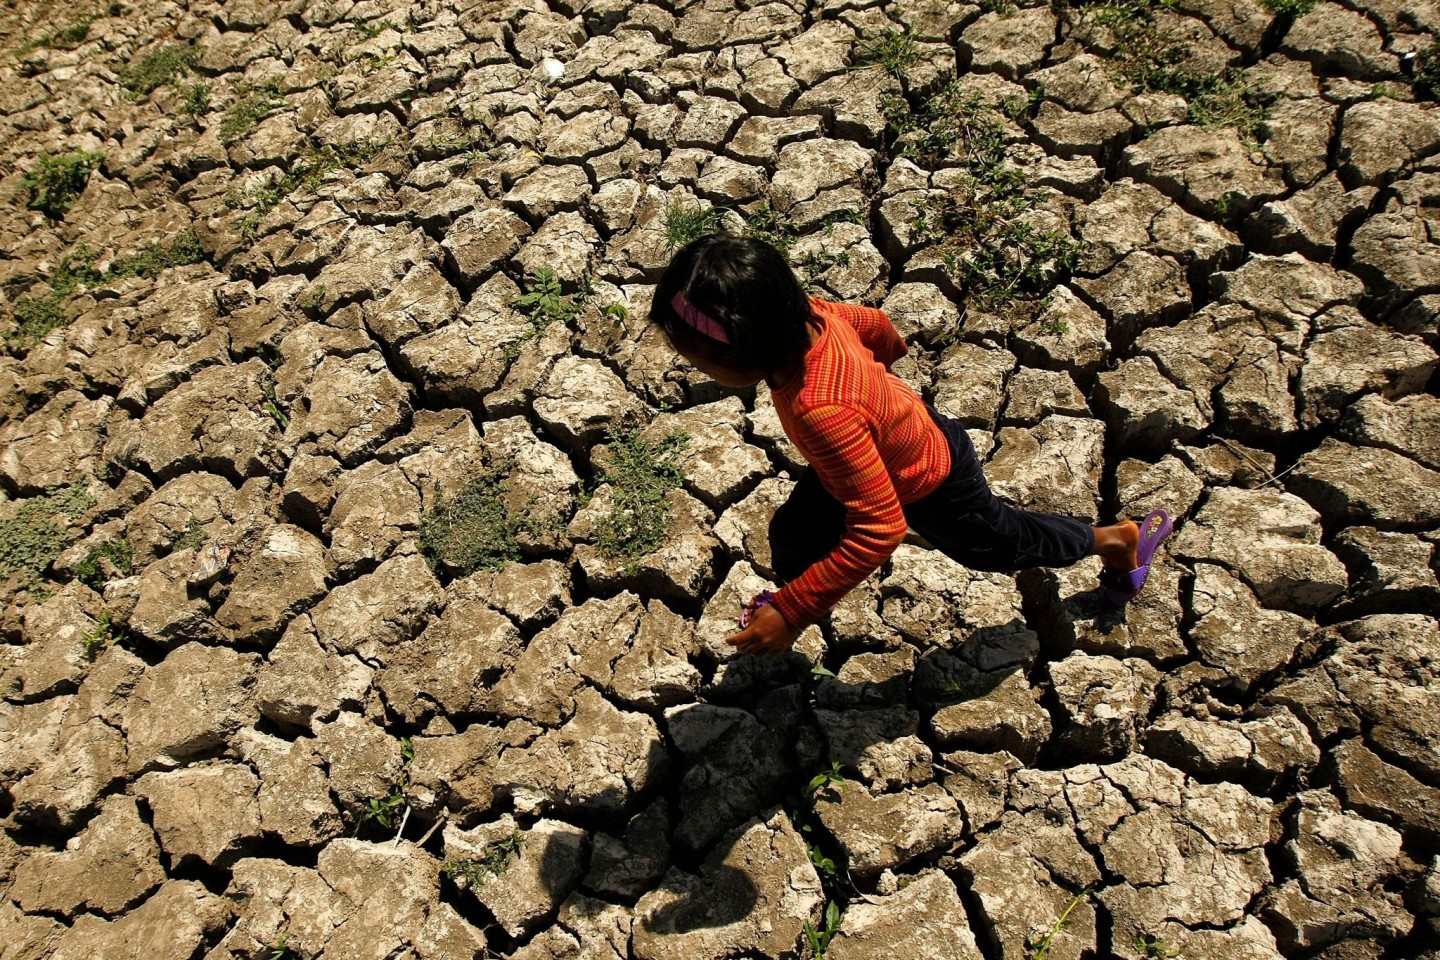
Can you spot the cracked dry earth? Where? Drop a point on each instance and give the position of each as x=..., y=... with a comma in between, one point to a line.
x=1237, y=321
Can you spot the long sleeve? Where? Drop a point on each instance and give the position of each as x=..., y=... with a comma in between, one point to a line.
x=876, y=332
x=842, y=451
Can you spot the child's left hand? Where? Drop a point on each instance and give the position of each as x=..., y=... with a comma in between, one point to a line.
x=767, y=635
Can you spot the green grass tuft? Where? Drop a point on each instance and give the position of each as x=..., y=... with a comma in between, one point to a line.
x=155, y=70
x=684, y=223
x=118, y=553
x=94, y=641
x=894, y=51
x=55, y=183
x=307, y=173
x=640, y=474
x=1295, y=8
x=493, y=862
x=255, y=104
x=68, y=37
x=35, y=317
x=475, y=529
x=34, y=532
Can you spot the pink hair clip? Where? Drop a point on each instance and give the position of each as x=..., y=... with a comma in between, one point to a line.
x=699, y=319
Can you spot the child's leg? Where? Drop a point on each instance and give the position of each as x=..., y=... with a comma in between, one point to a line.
x=968, y=523
x=1117, y=544
x=806, y=527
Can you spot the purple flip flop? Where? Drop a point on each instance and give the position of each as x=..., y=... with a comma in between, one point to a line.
x=1121, y=587
x=762, y=599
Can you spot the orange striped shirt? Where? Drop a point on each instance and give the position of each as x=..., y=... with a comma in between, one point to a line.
x=870, y=441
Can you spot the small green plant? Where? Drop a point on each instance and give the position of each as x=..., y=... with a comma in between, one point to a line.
x=382, y=810
x=369, y=30
x=618, y=314
x=281, y=952
x=312, y=302
x=1040, y=948
x=894, y=51
x=272, y=408
x=307, y=173
x=1156, y=949
x=684, y=222
x=1294, y=8
x=819, y=940
x=385, y=810
x=150, y=261
x=494, y=861
x=100, y=636
x=55, y=183
x=1150, y=58
x=191, y=538
x=640, y=474
x=547, y=301
x=827, y=782
x=35, y=317
x=475, y=529
x=197, y=99
x=255, y=104
x=155, y=70
x=118, y=553
x=67, y=37
x=32, y=535
x=1003, y=7
x=1427, y=70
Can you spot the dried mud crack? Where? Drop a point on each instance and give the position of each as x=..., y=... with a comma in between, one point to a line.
x=367, y=560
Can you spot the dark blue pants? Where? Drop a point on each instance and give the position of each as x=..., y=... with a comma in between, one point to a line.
x=961, y=518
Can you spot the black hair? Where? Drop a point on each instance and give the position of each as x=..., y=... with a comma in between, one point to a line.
x=747, y=287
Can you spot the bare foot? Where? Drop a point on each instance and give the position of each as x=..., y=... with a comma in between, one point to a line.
x=1118, y=545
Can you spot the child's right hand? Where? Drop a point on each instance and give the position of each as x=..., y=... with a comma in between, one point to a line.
x=766, y=636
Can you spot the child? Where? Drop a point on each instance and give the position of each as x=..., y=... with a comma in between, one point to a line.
x=881, y=459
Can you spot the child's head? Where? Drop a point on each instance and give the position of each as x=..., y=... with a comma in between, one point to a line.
x=731, y=303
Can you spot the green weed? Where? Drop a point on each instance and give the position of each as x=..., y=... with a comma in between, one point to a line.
x=684, y=223
x=894, y=51
x=1149, y=58
x=1040, y=949
x=764, y=223
x=1156, y=949
x=255, y=104
x=547, y=301
x=180, y=250
x=475, y=529
x=281, y=952
x=32, y=535
x=385, y=810
x=819, y=940
x=37, y=316
x=1295, y=8
x=827, y=782
x=155, y=70
x=197, y=99
x=94, y=641
x=494, y=861
x=55, y=183
x=34, y=318
x=68, y=37
x=368, y=30
x=118, y=553
x=307, y=173
x=191, y=538
x=640, y=474
x=274, y=410
x=952, y=122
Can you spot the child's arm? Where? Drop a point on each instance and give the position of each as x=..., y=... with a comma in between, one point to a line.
x=876, y=331
x=842, y=452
